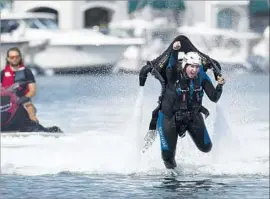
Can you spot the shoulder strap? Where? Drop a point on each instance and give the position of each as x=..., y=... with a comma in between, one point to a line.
x=197, y=82
x=2, y=75
x=184, y=83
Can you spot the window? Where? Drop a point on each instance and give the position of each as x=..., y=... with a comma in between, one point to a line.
x=41, y=23
x=9, y=25
x=97, y=17
x=50, y=23
x=228, y=19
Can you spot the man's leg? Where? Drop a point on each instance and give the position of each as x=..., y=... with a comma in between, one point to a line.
x=199, y=134
x=168, y=139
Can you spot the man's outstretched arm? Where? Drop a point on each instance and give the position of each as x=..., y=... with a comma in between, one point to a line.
x=213, y=93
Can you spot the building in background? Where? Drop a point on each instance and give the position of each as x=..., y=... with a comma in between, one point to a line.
x=215, y=14
x=219, y=14
x=77, y=14
x=158, y=21
x=237, y=15
x=89, y=13
x=240, y=16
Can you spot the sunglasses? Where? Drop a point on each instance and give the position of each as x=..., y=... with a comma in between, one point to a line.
x=14, y=57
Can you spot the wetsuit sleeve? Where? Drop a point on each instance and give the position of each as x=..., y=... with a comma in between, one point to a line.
x=170, y=66
x=213, y=93
x=29, y=76
x=172, y=60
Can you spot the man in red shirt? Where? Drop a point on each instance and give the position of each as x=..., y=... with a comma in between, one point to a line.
x=14, y=72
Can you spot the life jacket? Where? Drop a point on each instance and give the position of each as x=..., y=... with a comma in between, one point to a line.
x=10, y=77
x=189, y=92
x=190, y=95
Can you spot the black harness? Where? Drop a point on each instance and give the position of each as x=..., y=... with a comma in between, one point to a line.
x=189, y=101
x=189, y=94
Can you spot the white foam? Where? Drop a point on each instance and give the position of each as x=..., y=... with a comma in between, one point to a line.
x=105, y=152
x=237, y=149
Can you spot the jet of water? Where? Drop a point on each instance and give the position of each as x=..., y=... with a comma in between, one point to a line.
x=221, y=131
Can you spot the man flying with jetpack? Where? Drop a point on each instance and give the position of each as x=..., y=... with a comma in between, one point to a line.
x=180, y=106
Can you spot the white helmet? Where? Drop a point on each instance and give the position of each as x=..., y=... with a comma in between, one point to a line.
x=192, y=58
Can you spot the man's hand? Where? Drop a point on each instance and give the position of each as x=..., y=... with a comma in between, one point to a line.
x=31, y=110
x=176, y=45
x=33, y=118
x=220, y=80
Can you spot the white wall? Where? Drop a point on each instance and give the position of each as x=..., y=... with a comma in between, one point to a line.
x=195, y=12
x=121, y=12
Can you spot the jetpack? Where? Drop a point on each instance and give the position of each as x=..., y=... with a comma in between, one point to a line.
x=159, y=64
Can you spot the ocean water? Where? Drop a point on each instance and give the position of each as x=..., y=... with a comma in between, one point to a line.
x=105, y=119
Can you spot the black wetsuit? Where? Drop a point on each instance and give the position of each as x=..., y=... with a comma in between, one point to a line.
x=181, y=108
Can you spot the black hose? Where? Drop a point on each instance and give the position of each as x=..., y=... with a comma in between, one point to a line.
x=143, y=74
x=160, y=78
